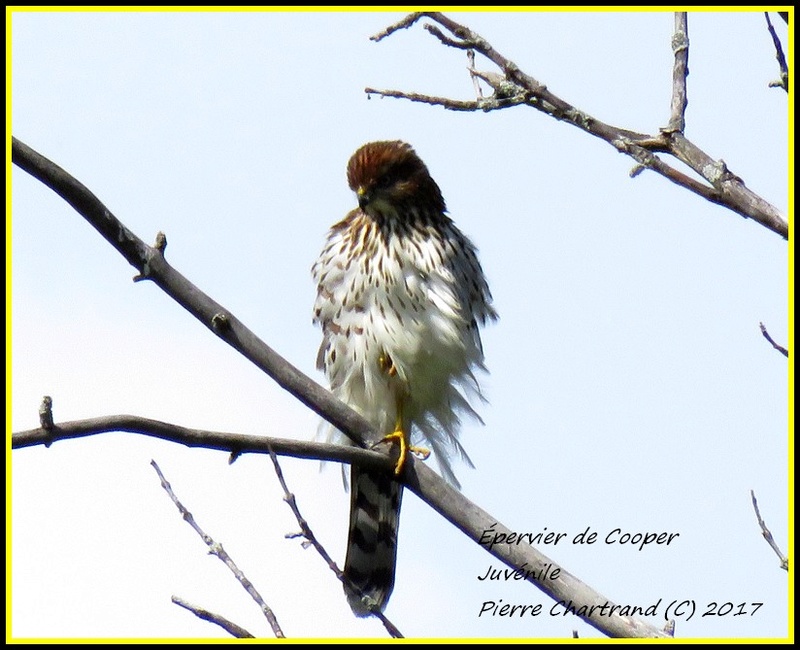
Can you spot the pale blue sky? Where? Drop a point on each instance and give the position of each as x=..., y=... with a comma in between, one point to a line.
x=630, y=386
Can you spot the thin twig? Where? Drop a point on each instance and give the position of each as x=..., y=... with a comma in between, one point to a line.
x=216, y=549
x=680, y=70
x=648, y=160
x=778, y=347
x=460, y=44
x=311, y=538
x=405, y=23
x=485, y=104
x=46, y=413
x=784, y=68
x=471, y=67
x=236, y=631
x=765, y=532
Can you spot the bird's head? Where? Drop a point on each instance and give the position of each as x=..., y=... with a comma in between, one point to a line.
x=390, y=181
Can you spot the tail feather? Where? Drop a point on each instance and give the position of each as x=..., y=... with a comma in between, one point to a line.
x=372, y=543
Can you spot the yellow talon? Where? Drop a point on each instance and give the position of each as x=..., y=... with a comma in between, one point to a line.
x=400, y=436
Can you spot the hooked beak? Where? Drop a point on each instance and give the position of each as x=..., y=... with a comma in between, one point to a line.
x=363, y=197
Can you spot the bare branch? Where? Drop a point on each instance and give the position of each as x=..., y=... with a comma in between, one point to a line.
x=450, y=104
x=405, y=23
x=680, y=70
x=485, y=104
x=765, y=532
x=311, y=538
x=778, y=347
x=471, y=67
x=235, y=443
x=515, y=88
x=731, y=191
x=446, y=500
x=215, y=548
x=784, y=68
x=648, y=160
x=236, y=631
x=460, y=44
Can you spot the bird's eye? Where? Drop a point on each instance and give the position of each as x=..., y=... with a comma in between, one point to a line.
x=384, y=181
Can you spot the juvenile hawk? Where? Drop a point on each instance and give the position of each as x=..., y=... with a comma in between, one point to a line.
x=400, y=295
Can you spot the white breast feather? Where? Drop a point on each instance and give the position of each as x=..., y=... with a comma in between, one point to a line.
x=415, y=314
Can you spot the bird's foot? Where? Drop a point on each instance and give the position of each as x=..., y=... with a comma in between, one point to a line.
x=400, y=437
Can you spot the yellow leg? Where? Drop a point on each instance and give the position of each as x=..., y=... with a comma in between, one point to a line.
x=401, y=436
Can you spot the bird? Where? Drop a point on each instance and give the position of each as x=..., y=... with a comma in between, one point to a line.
x=400, y=298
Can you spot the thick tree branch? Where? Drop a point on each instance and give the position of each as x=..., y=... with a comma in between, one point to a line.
x=235, y=443
x=729, y=190
x=513, y=87
x=446, y=500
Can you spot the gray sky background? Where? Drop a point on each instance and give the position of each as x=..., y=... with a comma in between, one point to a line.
x=630, y=386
